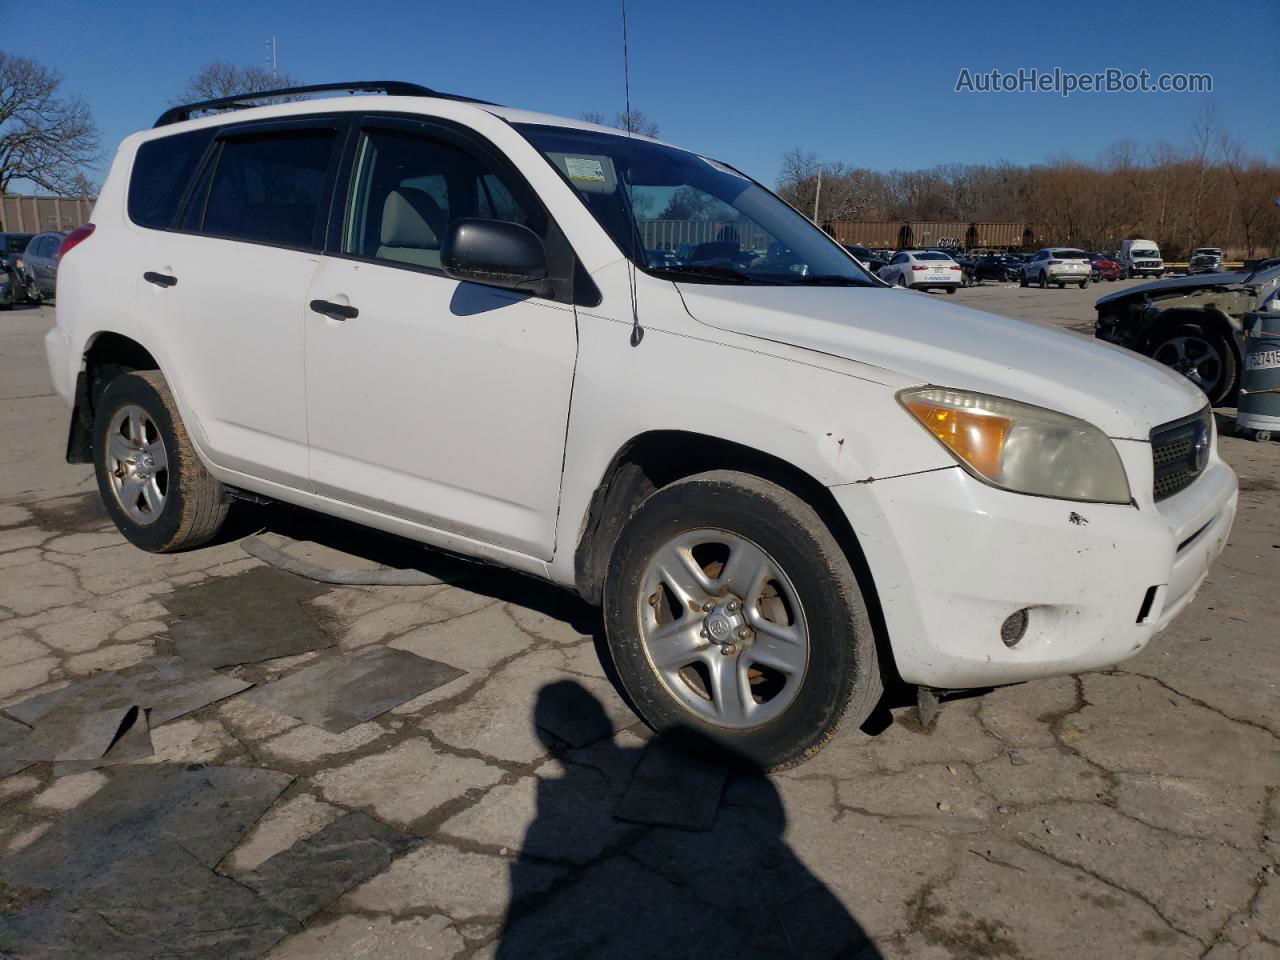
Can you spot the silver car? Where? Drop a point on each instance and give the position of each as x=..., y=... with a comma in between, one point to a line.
x=40, y=260
x=1060, y=265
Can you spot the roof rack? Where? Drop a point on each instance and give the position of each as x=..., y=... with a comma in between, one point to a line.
x=394, y=88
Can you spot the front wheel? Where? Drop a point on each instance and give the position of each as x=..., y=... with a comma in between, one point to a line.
x=152, y=482
x=733, y=615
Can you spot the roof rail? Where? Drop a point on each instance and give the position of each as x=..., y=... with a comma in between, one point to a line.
x=395, y=88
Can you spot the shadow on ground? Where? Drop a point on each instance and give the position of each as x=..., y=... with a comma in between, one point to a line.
x=733, y=889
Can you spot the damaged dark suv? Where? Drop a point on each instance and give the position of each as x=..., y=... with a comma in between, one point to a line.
x=1192, y=324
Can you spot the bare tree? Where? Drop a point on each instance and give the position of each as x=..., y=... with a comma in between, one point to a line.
x=45, y=140
x=222, y=79
x=633, y=122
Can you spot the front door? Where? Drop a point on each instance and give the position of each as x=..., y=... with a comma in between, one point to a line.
x=435, y=401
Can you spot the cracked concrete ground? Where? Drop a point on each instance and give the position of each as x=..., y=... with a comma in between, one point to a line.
x=1133, y=812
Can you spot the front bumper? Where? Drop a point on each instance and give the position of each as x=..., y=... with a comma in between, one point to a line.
x=952, y=558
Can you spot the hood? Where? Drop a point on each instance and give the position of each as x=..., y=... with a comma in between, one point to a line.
x=1176, y=285
x=917, y=337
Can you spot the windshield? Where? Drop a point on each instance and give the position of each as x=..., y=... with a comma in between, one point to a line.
x=14, y=242
x=931, y=255
x=1146, y=252
x=1069, y=255
x=685, y=217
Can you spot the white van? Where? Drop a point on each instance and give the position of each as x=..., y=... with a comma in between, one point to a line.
x=780, y=477
x=1141, y=258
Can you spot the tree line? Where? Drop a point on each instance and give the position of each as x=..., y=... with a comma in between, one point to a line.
x=1206, y=191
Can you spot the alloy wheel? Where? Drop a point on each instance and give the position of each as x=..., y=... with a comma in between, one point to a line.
x=1193, y=357
x=723, y=629
x=137, y=464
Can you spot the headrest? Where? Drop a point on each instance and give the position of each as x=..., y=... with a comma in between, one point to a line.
x=412, y=218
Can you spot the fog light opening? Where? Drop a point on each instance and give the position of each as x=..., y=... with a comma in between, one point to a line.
x=1148, y=602
x=1014, y=627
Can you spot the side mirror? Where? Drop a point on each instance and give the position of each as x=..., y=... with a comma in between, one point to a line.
x=495, y=253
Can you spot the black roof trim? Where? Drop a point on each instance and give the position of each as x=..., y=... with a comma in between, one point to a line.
x=395, y=88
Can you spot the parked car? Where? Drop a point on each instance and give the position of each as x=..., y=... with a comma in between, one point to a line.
x=1204, y=260
x=1140, y=258
x=1000, y=267
x=1192, y=324
x=40, y=261
x=1104, y=267
x=968, y=268
x=773, y=477
x=865, y=256
x=12, y=247
x=1058, y=265
x=922, y=270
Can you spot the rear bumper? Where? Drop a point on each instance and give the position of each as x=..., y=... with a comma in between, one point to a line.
x=952, y=558
x=57, y=351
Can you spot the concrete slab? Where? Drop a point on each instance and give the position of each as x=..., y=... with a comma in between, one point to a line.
x=340, y=693
x=252, y=616
x=318, y=869
x=672, y=788
x=405, y=783
x=168, y=686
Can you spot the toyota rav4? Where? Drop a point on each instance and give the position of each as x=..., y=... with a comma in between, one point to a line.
x=780, y=478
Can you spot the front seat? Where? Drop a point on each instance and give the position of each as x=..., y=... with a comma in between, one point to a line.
x=412, y=225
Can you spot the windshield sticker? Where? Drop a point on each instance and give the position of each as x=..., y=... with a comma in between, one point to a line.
x=715, y=165
x=585, y=168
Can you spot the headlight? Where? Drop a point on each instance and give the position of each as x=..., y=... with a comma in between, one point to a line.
x=1022, y=447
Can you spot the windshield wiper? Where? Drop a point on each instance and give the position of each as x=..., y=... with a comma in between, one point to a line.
x=724, y=274
x=831, y=280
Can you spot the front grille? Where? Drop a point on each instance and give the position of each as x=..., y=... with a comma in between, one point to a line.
x=1180, y=452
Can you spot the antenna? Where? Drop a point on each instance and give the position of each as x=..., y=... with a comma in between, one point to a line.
x=637, y=331
x=271, y=59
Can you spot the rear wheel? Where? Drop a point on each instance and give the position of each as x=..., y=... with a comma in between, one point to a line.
x=1084, y=283
x=902, y=281
x=1044, y=280
x=734, y=616
x=1202, y=356
x=152, y=482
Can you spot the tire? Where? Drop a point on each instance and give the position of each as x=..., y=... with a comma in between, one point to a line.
x=840, y=678
x=1044, y=280
x=1179, y=347
x=951, y=290
x=1022, y=280
x=902, y=282
x=1084, y=284
x=175, y=507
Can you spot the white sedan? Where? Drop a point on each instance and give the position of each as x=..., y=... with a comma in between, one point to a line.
x=922, y=270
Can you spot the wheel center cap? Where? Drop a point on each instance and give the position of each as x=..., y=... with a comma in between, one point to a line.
x=724, y=620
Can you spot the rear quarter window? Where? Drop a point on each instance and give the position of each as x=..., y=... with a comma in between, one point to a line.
x=161, y=170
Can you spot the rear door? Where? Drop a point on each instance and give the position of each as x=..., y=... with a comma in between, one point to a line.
x=436, y=401
x=224, y=291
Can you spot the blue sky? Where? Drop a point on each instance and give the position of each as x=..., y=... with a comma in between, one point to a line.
x=867, y=84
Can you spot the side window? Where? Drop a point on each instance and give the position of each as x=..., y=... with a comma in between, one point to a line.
x=270, y=188
x=408, y=188
x=160, y=173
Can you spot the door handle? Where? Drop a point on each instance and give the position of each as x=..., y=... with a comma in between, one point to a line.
x=160, y=279
x=335, y=311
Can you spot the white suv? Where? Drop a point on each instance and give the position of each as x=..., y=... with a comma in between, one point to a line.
x=1060, y=265
x=781, y=478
